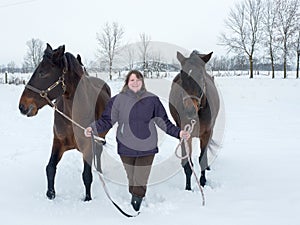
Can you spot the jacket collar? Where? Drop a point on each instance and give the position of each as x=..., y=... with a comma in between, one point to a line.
x=136, y=95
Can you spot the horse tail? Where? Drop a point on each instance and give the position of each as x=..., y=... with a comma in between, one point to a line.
x=212, y=150
x=97, y=151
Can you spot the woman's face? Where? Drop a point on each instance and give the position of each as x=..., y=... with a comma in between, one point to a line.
x=134, y=83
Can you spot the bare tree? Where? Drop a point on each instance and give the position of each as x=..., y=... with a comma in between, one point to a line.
x=298, y=54
x=109, y=41
x=288, y=19
x=34, y=53
x=129, y=55
x=269, y=21
x=158, y=62
x=11, y=66
x=144, y=50
x=244, y=24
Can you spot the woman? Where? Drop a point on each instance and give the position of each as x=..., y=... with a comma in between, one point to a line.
x=137, y=111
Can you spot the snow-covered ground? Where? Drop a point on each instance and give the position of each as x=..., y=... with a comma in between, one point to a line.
x=254, y=180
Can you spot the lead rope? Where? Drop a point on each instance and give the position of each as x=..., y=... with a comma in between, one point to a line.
x=103, y=182
x=189, y=128
x=96, y=138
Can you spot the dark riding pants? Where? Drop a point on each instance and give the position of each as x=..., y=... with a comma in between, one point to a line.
x=138, y=171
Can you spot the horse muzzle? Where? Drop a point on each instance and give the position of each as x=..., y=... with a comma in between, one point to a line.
x=29, y=111
x=191, y=113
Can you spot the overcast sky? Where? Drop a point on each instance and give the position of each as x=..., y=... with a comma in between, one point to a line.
x=191, y=24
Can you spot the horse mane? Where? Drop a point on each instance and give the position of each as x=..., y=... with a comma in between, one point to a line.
x=74, y=65
x=74, y=73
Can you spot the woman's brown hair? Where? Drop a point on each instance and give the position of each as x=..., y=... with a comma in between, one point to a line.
x=139, y=76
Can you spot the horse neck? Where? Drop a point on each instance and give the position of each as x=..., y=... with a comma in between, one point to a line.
x=66, y=100
x=73, y=75
x=67, y=106
x=72, y=80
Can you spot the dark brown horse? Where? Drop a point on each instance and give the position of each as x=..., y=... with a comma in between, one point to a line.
x=194, y=96
x=61, y=78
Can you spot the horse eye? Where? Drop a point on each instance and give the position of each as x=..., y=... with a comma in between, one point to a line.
x=41, y=74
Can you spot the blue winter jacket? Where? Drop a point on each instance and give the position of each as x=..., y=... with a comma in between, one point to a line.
x=136, y=114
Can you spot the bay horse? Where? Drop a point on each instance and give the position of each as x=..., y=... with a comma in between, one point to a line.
x=60, y=77
x=194, y=96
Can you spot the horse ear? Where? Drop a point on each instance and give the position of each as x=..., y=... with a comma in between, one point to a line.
x=61, y=49
x=59, y=52
x=180, y=58
x=79, y=59
x=207, y=57
x=48, y=48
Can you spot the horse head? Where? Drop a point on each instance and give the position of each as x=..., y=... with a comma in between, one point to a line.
x=49, y=81
x=193, y=84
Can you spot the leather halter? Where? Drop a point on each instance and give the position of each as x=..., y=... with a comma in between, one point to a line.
x=44, y=93
x=198, y=99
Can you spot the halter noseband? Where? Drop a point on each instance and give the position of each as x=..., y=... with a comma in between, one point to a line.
x=198, y=99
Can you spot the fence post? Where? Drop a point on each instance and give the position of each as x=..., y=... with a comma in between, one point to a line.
x=5, y=78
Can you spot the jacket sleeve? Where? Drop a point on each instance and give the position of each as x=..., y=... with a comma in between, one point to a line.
x=162, y=120
x=107, y=119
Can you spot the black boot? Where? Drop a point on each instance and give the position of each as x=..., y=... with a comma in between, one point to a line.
x=136, y=202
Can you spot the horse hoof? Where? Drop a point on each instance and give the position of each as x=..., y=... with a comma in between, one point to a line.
x=202, y=181
x=188, y=188
x=99, y=169
x=87, y=198
x=50, y=194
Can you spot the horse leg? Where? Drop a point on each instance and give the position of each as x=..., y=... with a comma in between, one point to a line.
x=186, y=166
x=87, y=177
x=51, y=168
x=203, y=161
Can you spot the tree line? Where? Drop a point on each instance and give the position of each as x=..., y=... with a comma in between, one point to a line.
x=109, y=48
x=267, y=29
x=259, y=35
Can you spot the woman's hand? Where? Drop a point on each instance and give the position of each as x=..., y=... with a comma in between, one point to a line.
x=88, y=132
x=184, y=135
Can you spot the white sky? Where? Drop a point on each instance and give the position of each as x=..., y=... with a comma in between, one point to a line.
x=191, y=24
